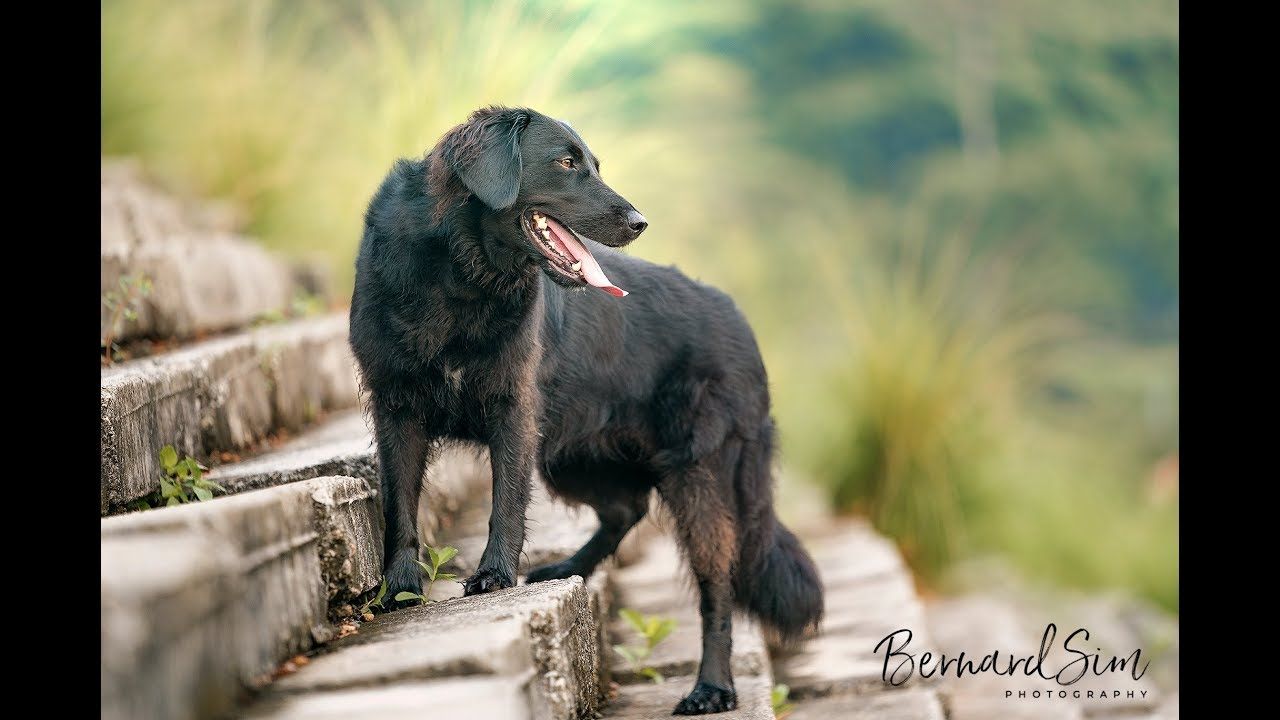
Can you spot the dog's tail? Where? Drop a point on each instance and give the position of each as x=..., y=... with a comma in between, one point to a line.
x=775, y=579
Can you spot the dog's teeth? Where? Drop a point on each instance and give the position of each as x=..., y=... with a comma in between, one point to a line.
x=546, y=233
x=540, y=221
x=576, y=267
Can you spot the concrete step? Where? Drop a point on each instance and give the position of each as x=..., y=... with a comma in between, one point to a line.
x=538, y=644
x=205, y=277
x=199, y=600
x=659, y=583
x=651, y=701
x=897, y=705
x=458, y=480
x=453, y=698
x=222, y=394
x=533, y=651
x=338, y=445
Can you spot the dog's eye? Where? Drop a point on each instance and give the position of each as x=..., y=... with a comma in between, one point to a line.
x=567, y=162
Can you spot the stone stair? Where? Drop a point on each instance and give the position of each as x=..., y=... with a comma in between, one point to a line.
x=869, y=594
x=224, y=394
x=246, y=605
x=205, y=277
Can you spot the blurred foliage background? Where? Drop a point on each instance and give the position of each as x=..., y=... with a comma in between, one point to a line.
x=953, y=223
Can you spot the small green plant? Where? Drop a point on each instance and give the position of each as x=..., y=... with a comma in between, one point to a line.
x=653, y=630
x=781, y=708
x=123, y=303
x=438, y=558
x=183, y=480
x=306, y=304
x=375, y=600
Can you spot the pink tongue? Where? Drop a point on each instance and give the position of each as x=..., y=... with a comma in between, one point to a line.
x=590, y=268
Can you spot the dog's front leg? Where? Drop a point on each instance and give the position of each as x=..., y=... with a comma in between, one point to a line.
x=512, y=443
x=403, y=450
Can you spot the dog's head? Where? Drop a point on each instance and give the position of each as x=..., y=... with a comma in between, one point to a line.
x=540, y=185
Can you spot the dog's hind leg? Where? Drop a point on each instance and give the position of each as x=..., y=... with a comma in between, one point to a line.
x=617, y=516
x=701, y=500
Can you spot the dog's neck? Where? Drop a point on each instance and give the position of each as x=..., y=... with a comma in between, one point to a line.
x=482, y=262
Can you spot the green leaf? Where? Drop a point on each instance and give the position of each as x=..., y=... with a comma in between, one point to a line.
x=189, y=468
x=778, y=698
x=652, y=674
x=430, y=571
x=172, y=501
x=169, y=488
x=406, y=595
x=435, y=557
x=662, y=630
x=633, y=618
x=626, y=653
x=446, y=576
x=202, y=493
x=445, y=554
x=168, y=458
x=382, y=591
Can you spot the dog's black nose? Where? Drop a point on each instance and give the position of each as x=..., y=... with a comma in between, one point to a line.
x=636, y=222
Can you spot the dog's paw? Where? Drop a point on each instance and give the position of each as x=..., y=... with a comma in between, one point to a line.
x=487, y=580
x=401, y=576
x=554, y=571
x=706, y=698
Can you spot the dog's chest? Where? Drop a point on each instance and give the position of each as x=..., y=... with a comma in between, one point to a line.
x=458, y=397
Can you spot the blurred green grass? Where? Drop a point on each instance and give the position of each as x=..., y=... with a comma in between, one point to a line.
x=953, y=224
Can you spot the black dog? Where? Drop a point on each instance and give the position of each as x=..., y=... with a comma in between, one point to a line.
x=485, y=311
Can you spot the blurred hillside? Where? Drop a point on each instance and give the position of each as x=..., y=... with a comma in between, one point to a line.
x=953, y=224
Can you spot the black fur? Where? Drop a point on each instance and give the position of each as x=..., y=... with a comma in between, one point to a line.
x=465, y=331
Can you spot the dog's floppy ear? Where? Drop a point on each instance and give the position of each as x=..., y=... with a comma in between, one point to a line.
x=484, y=152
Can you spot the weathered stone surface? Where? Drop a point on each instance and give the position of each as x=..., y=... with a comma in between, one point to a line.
x=168, y=599
x=140, y=407
x=311, y=368
x=222, y=394
x=986, y=700
x=264, y=565
x=204, y=278
x=545, y=634
x=650, y=701
x=340, y=445
x=899, y=705
x=235, y=392
x=463, y=698
x=350, y=526
x=497, y=647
